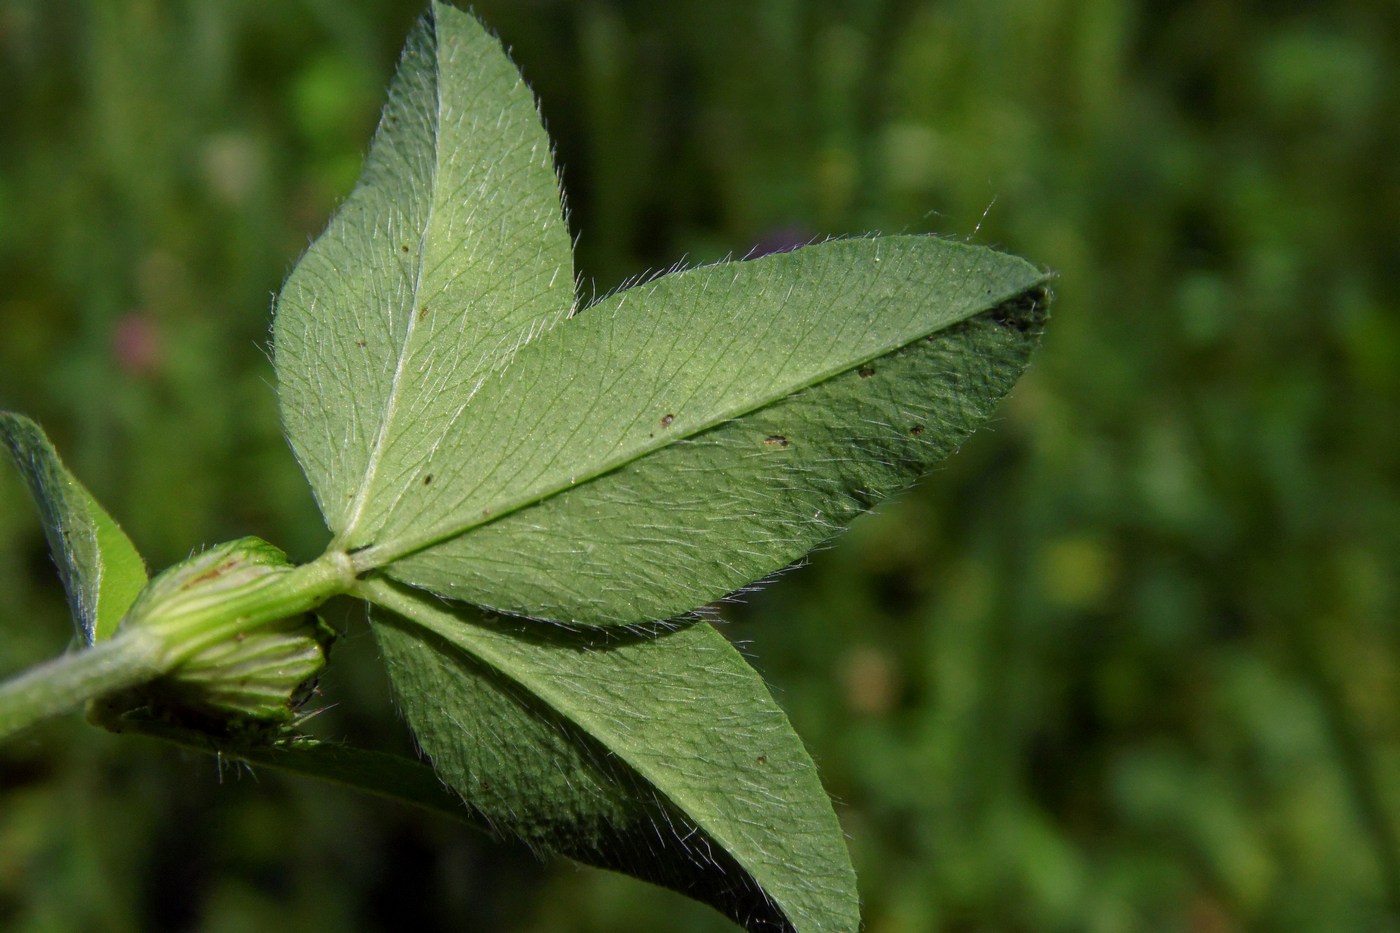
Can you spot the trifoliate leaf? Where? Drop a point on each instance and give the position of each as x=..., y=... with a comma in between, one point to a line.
x=101, y=570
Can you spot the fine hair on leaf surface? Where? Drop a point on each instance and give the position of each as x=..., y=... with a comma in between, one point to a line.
x=536, y=499
x=679, y=739
x=469, y=432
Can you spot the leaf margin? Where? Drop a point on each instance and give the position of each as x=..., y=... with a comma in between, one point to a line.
x=100, y=568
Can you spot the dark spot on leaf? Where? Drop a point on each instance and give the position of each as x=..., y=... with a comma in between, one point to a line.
x=775, y=440
x=404, y=247
x=485, y=787
x=666, y=420
x=422, y=312
x=427, y=480
x=916, y=430
x=762, y=759
x=360, y=343
x=865, y=372
x=485, y=513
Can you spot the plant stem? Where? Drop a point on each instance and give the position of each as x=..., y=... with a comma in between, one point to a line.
x=389, y=776
x=56, y=686
x=189, y=612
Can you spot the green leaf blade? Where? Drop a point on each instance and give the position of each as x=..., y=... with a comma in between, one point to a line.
x=451, y=251
x=690, y=436
x=101, y=570
x=464, y=437
x=662, y=756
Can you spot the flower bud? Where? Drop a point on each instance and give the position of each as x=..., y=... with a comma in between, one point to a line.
x=243, y=649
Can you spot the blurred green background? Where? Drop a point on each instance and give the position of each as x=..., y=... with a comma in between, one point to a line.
x=1127, y=662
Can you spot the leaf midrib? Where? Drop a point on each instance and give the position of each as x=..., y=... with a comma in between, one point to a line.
x=381, y=554
x=391, y=402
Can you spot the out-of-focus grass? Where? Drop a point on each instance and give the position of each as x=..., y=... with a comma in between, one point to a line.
x=1127, y=662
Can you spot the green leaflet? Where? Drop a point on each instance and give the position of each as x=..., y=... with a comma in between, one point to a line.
x=691, y=436
x=661, y=449
x=101, y=570
x=661, y=755
x=451, y=251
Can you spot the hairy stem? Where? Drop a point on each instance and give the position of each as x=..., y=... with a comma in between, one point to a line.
x=66, y=682
x=189, y=612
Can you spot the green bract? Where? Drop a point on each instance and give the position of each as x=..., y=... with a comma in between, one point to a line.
x=101, y=570
x=536, y=498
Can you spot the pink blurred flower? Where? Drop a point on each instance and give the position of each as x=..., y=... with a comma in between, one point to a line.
x=136, y=344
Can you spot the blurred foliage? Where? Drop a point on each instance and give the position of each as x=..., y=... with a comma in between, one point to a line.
x=1128, y=662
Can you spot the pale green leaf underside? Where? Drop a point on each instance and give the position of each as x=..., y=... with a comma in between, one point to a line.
x=670, y=444
x=101, y=570
x=662, y=756
x=451, y=251
x=684, y=438
x=537, y=778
